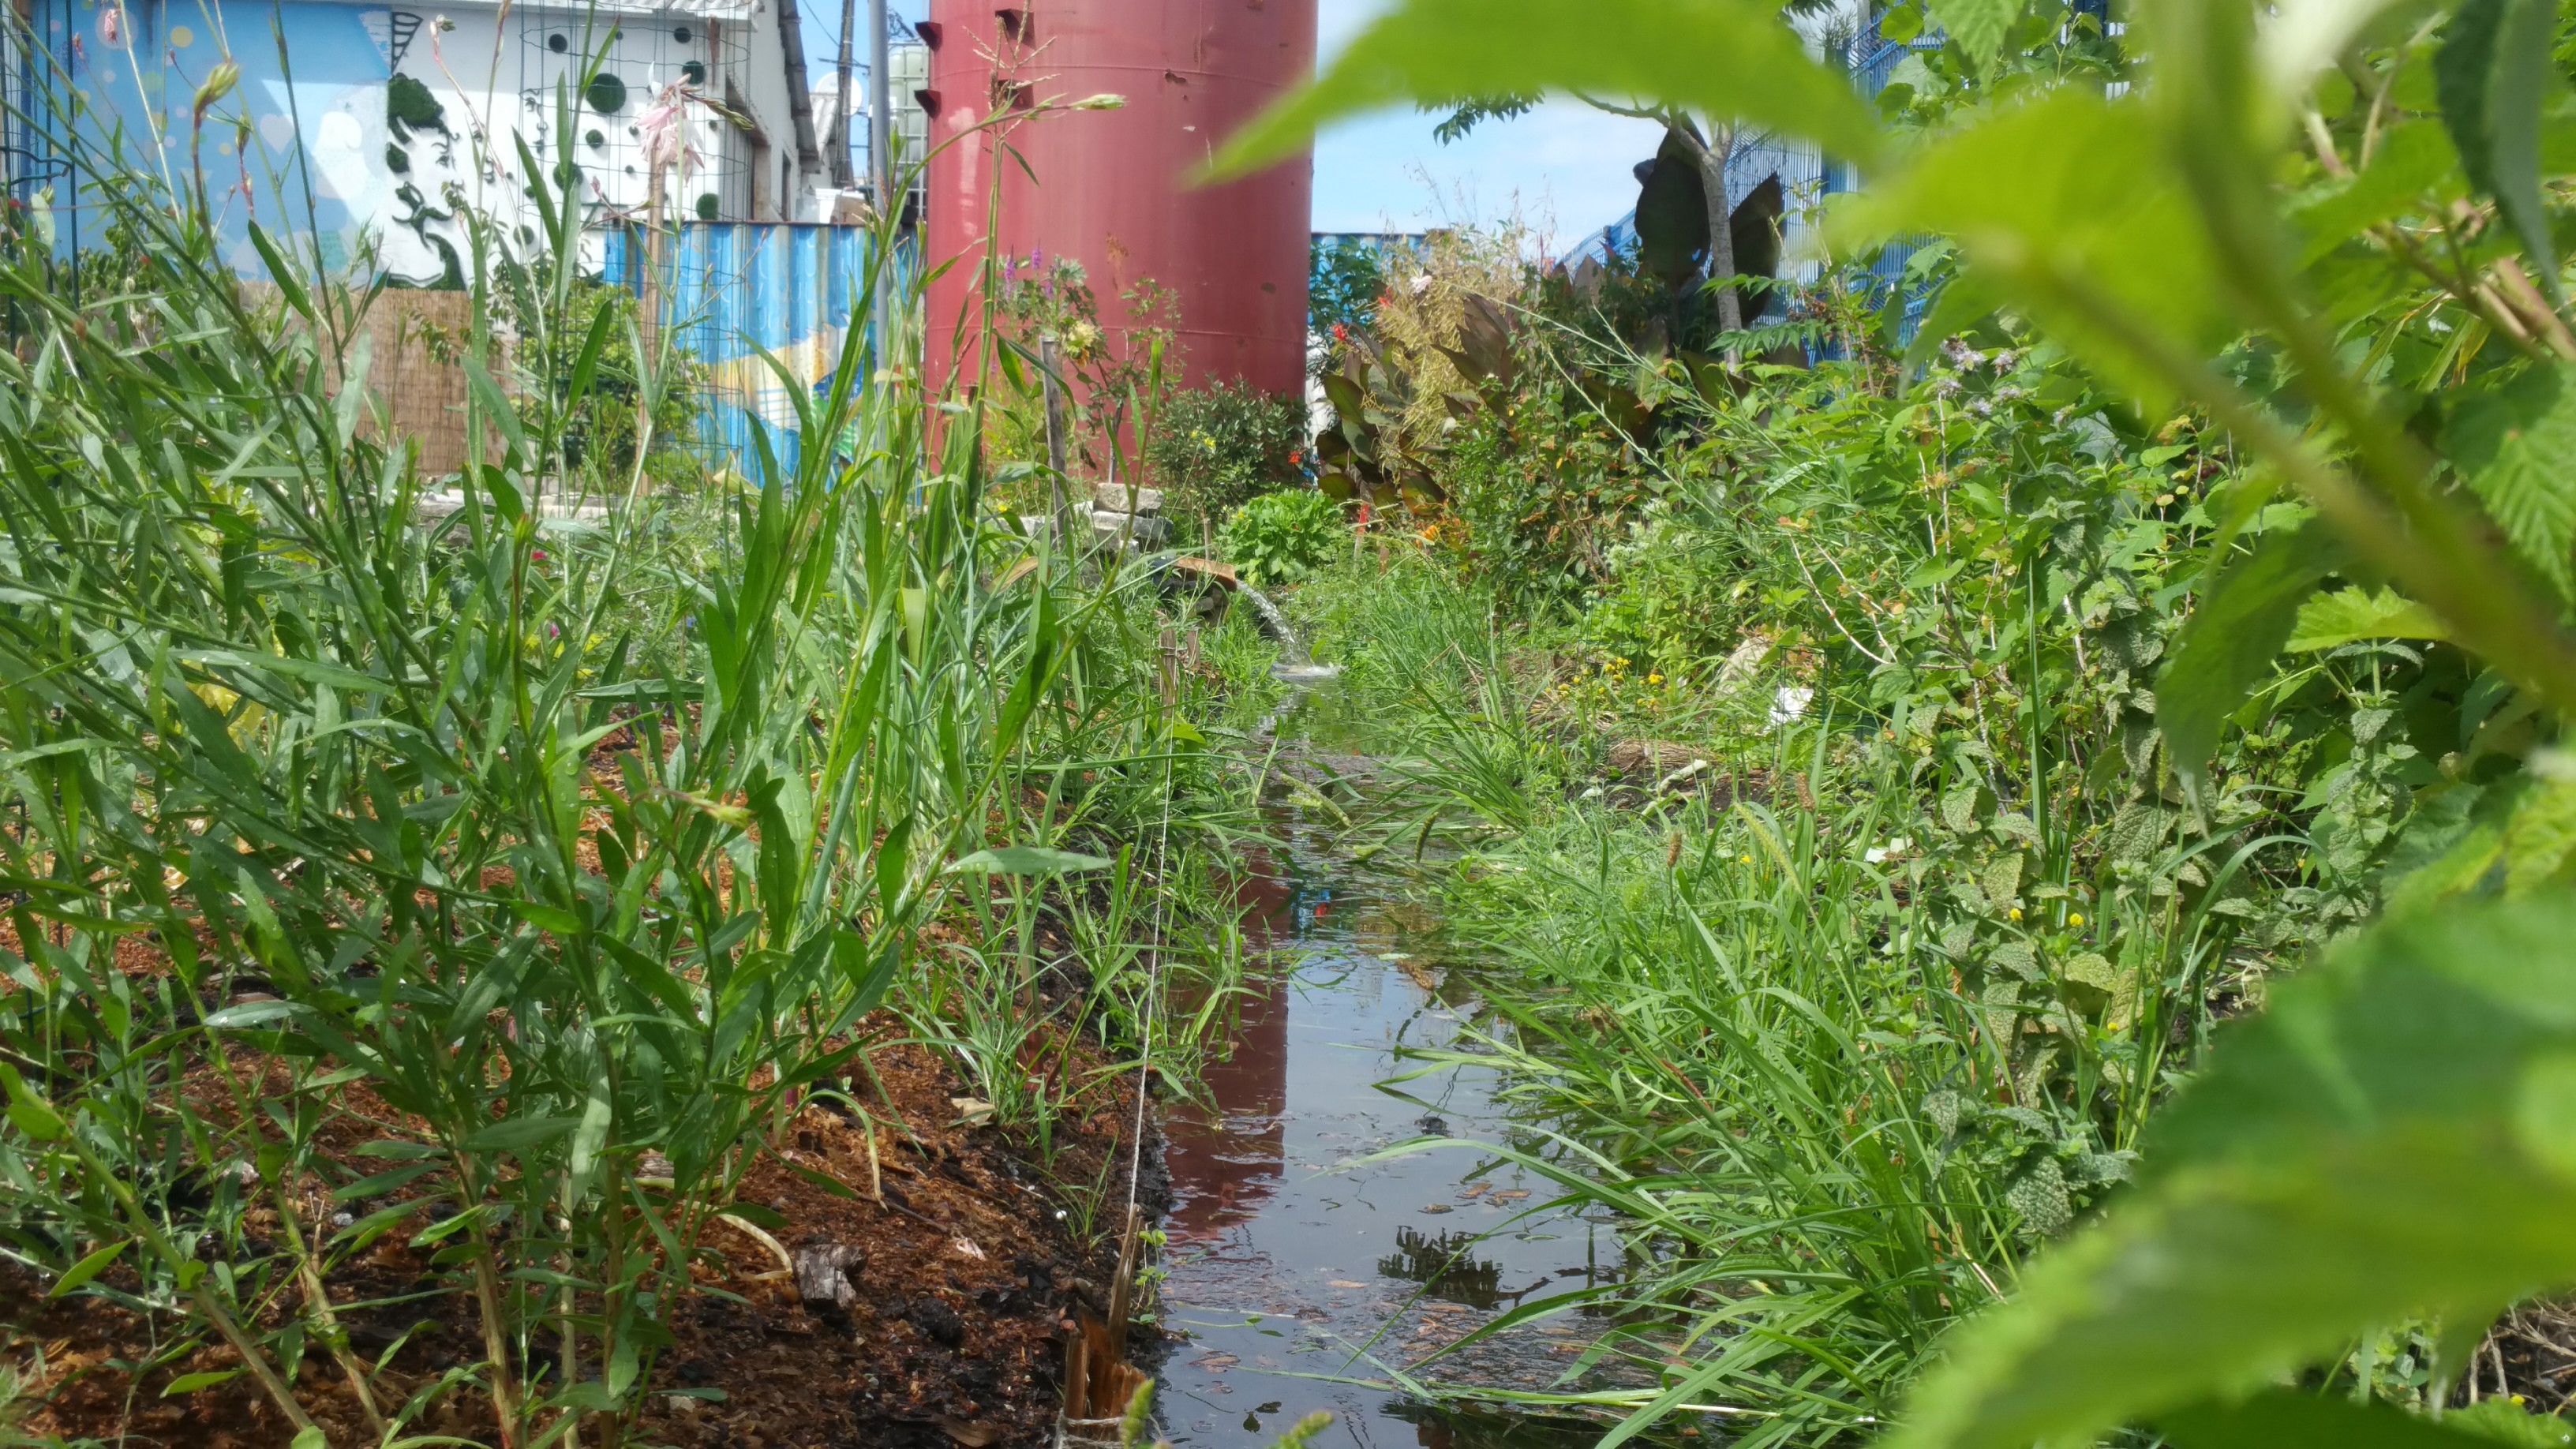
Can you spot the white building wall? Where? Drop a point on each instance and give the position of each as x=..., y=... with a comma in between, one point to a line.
x=717, y=74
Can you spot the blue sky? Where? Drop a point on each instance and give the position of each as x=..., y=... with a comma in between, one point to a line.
x=1563, y=169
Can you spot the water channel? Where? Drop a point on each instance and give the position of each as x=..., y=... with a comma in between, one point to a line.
x=1301, y=1277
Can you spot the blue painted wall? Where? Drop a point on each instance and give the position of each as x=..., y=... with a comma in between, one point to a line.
x=299, y=144
x=731, y=289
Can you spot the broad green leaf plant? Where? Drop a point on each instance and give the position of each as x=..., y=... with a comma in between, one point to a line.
x=2330, y=229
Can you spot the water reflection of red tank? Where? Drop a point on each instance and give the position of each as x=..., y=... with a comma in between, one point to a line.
x=1111, y=188
x=1223, y=1167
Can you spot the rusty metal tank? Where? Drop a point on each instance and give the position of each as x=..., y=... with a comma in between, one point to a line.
x=1112, y=188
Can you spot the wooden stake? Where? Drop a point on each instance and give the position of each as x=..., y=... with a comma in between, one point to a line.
x=1055, y=441
x=1119, y=1290
x=1076, y=1389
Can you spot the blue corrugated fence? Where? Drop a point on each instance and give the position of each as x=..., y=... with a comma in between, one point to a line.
x=731, y=289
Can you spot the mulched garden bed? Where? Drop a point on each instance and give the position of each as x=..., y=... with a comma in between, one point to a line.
x=949, y=1331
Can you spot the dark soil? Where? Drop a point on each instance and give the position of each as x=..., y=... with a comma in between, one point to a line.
x=960, y=1286
x=2531, y=1352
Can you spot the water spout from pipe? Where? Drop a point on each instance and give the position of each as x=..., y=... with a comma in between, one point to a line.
x=1297, y=667
x=1280, y=632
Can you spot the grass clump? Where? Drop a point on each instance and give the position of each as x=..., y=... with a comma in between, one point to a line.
x=558, y=862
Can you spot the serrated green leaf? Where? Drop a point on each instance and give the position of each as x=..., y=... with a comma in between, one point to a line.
x=2516, y=445
x=2540, y=837
x=2494, y=77
x=1733, y=58
x=2414, y=165
x=2092, y=969
x=2394, y=1139
x=2343, y=616
x=2070, y=190
x=2287, y=1420
x=1977, y=26
x=2227, y=646
x=2038, y=1193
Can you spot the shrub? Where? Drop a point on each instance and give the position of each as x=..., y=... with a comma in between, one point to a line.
x=1216, y=449
x=1282, y=537
x=1345, y=280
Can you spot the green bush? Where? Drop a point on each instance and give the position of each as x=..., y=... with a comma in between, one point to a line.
x=1216, y=449
x=1345, y=277
x=1282, y=537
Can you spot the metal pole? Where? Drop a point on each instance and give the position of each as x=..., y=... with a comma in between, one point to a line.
x=800, y=99
x=840, y=139
x=881, y=174
x=880, y=108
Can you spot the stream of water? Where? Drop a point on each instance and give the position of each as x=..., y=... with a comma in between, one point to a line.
x=1295, y=1271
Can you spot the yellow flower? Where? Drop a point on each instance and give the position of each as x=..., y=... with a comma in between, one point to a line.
x=2016, y=913
x=1744, y=860
x=1654, y=679
x=2076, y=919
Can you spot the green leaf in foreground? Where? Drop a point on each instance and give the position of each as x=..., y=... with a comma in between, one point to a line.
x=2241, y=622
x=2394, y=1138
x=1977, y=26
x=2516, y=446
x=2072, y=206
x=2492, y=77
x=2347, y=616
x=1730, y=57
x=2286, y=1420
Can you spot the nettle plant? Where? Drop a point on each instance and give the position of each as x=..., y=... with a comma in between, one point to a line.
x=2329, y=227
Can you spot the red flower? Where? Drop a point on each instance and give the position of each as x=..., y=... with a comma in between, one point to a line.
x=1296, y=456
x=1341, y=332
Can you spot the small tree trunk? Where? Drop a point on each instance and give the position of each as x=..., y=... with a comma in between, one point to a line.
x=1712, y=160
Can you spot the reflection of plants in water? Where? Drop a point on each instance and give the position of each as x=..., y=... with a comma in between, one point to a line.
x=1440, y=1263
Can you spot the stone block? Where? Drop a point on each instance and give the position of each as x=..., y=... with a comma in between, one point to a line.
x=1112, y=498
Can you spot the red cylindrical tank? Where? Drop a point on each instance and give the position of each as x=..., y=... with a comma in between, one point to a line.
x=1112, y=188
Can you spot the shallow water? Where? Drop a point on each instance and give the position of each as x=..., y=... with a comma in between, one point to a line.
x=1293, y=1270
